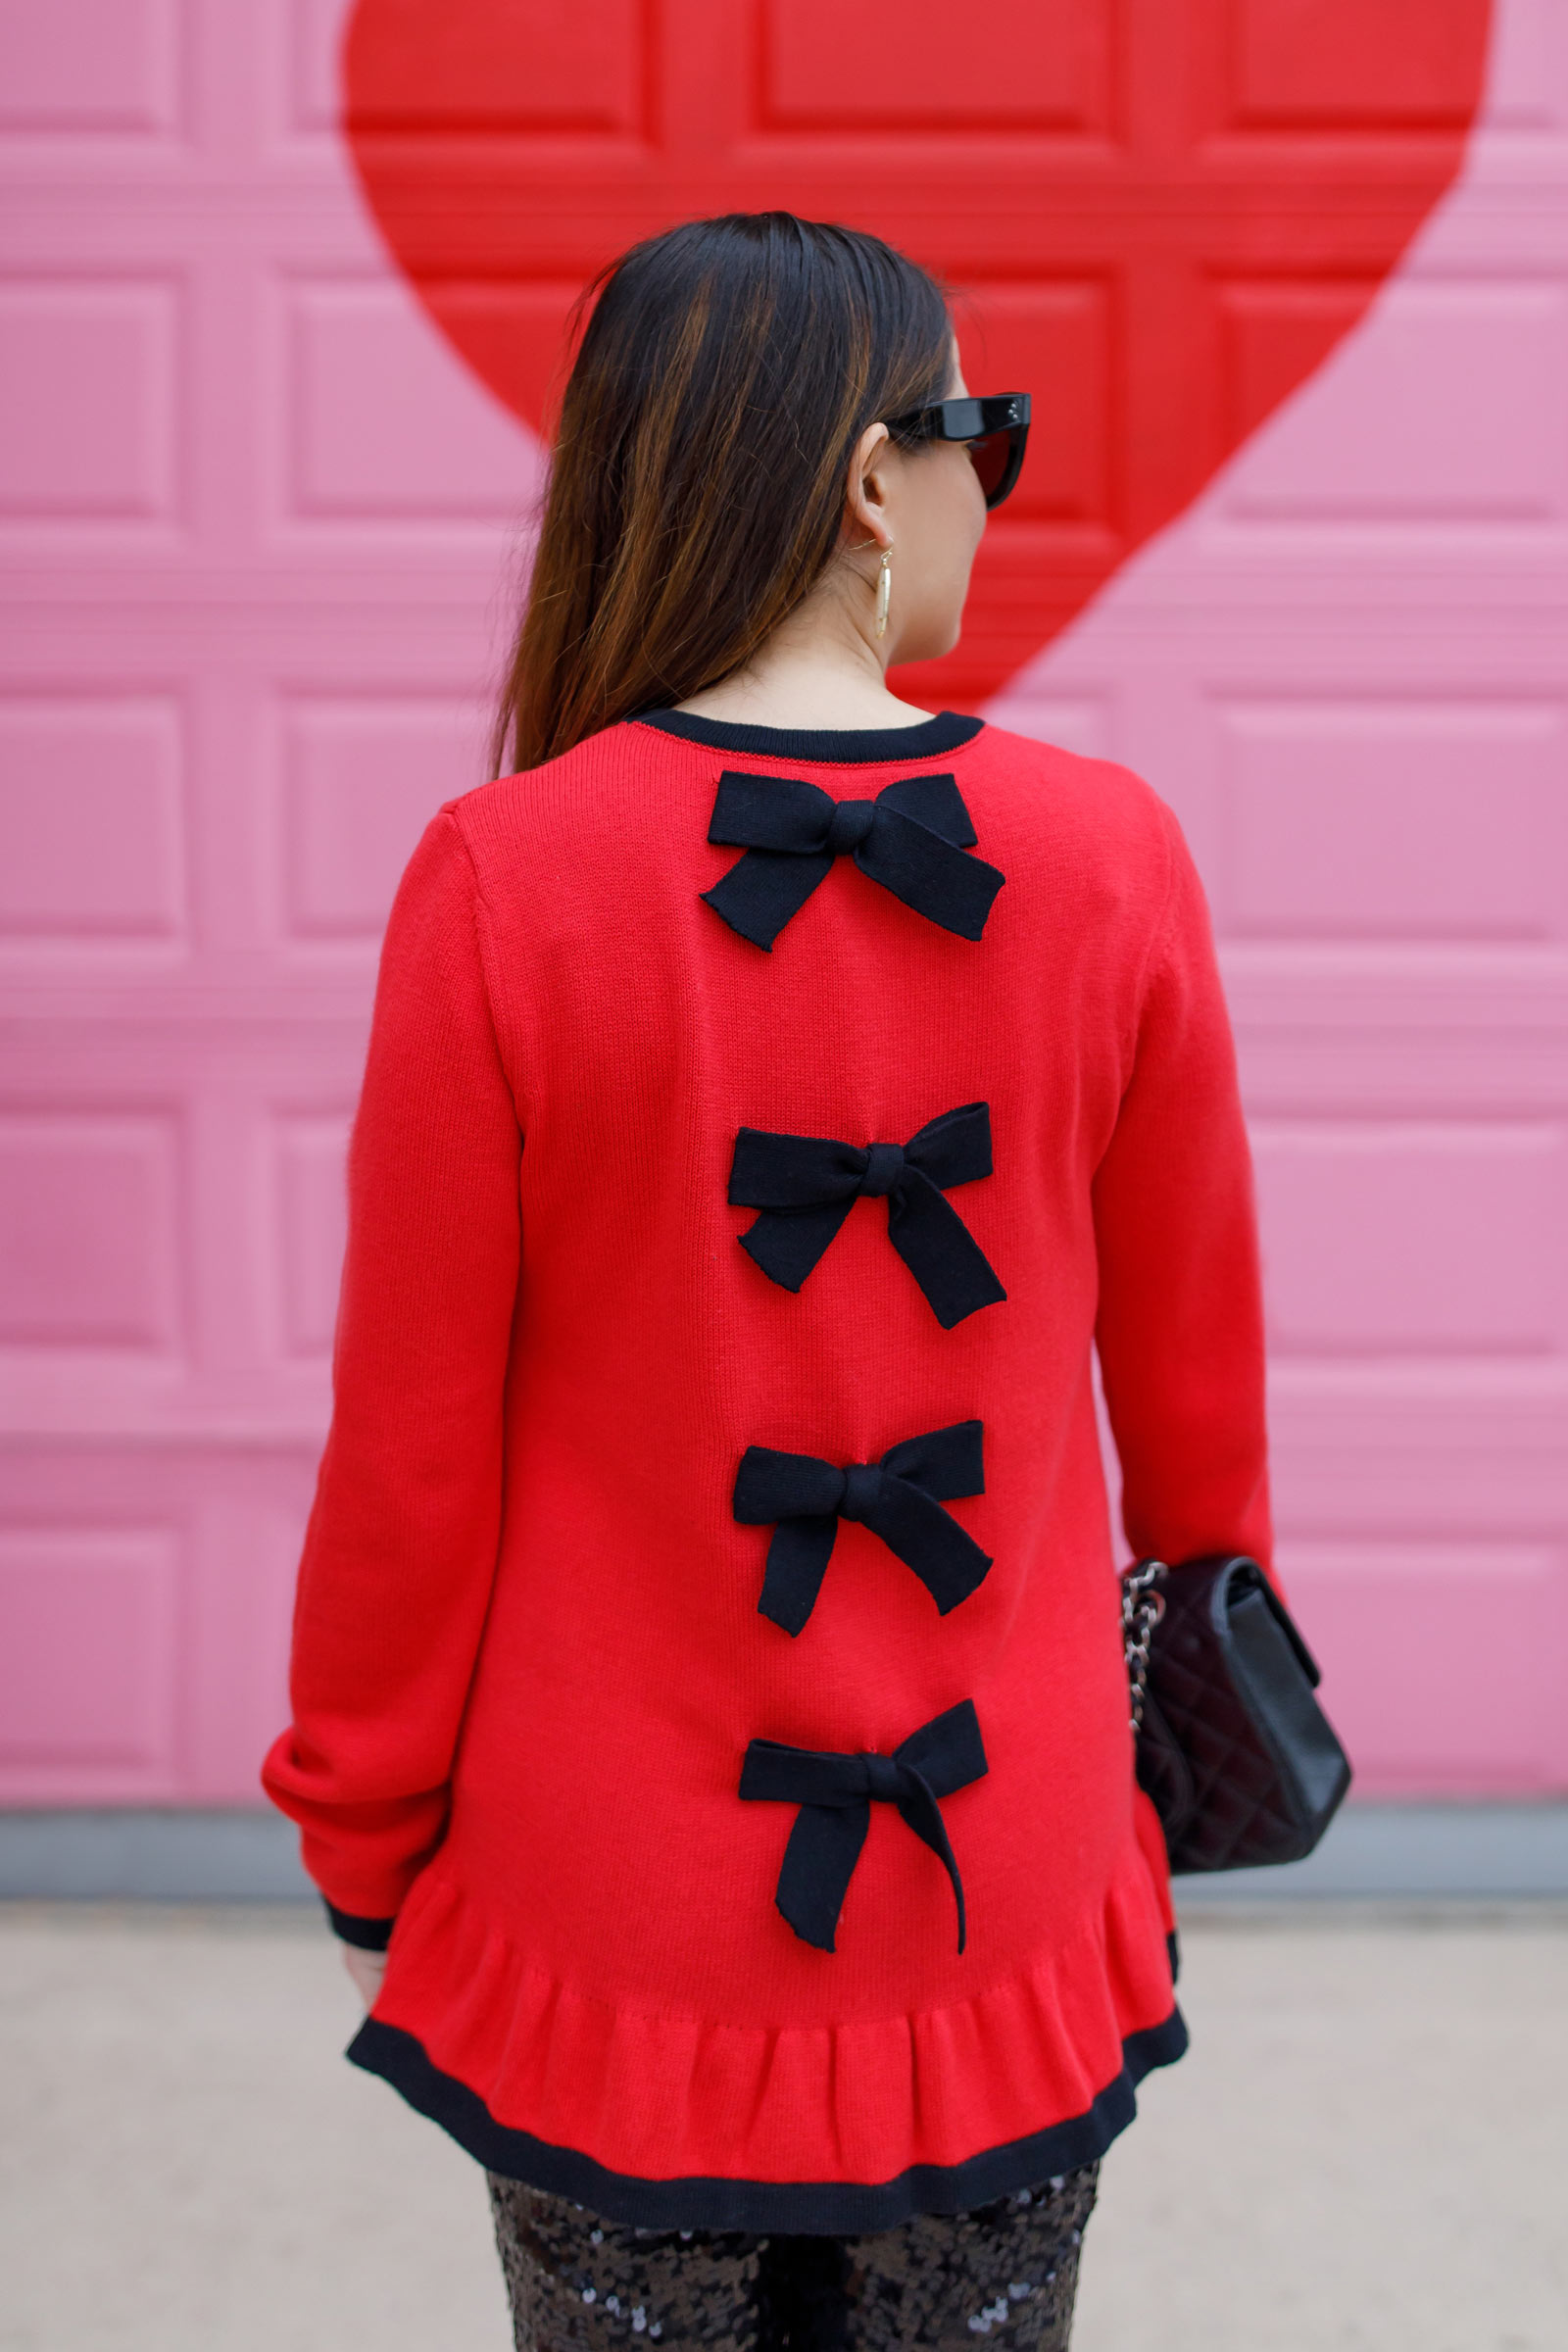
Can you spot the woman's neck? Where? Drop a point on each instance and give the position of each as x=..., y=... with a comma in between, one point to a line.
x=816, y=670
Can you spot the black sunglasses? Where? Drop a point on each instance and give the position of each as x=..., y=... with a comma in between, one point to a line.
x=995, y=430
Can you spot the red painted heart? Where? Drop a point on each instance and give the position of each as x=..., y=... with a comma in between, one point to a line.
x=1158, y=215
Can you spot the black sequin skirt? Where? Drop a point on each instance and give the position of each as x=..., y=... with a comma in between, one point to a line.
x=1006, y=2271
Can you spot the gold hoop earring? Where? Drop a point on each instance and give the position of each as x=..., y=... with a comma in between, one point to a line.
x=884, y=591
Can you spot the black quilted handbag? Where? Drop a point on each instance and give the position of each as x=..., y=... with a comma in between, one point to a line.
x=1240, y=1761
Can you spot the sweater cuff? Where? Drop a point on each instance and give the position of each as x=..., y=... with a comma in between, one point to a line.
x=366, y=1934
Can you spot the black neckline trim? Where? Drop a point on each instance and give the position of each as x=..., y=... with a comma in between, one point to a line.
x=830, y=2207
x=842, y=746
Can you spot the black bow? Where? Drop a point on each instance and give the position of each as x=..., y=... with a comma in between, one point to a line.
x=912, y=839
x=897, y=1498
x=805, y=1187
x=834, y=1794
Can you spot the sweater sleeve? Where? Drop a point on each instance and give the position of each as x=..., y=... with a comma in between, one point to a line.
x=1180, y=1325
x=401, y=1542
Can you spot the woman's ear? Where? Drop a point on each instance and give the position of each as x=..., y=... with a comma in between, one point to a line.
x=866, y=511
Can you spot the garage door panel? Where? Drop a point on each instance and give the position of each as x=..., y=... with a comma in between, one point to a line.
x=269, y=456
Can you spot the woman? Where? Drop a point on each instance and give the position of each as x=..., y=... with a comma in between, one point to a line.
x=707, y=1679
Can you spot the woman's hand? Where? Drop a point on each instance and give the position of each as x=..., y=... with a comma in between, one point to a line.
x=366, y=1969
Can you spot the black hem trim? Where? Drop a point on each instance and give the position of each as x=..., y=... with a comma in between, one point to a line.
x=366, y=1934
x=842, y=746
x=821, y=2208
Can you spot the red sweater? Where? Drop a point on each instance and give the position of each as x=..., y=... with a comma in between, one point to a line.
x=534, y=1651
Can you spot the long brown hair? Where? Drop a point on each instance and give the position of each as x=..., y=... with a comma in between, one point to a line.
x=696, y=491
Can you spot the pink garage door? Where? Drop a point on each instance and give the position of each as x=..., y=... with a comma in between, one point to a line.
x=1295, y=543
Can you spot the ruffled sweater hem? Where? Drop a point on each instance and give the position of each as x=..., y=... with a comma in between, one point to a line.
x=832, y=2208
x=674, y=2120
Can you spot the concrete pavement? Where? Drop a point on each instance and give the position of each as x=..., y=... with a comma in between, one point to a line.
x=1366, y=2147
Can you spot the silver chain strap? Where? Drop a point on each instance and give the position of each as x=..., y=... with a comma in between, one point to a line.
x=1142, y=1608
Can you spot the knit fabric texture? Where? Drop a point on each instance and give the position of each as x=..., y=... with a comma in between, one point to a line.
x=529, y=1655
